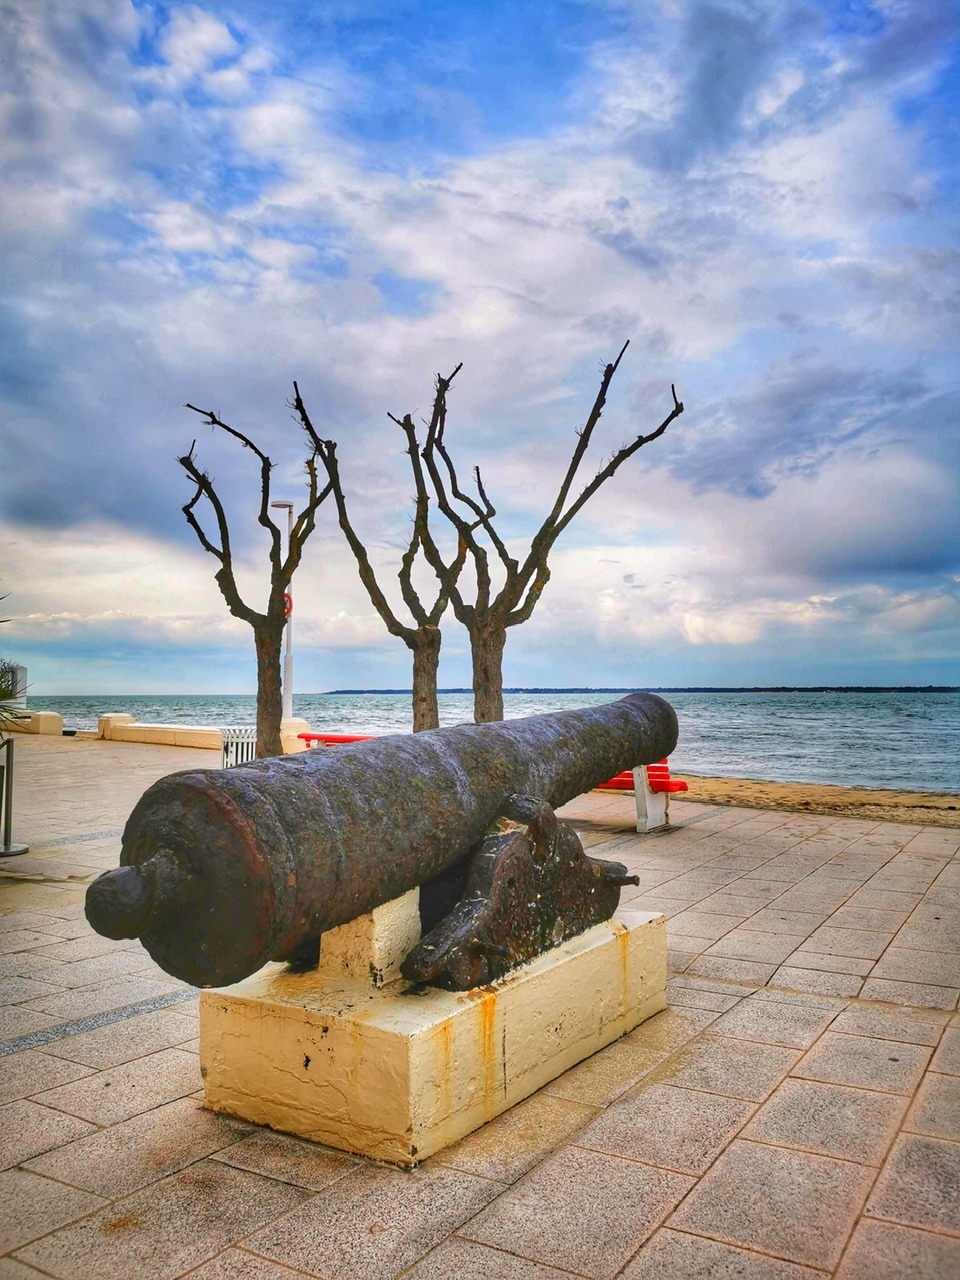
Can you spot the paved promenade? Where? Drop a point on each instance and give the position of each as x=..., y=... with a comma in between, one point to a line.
x=794, y=1114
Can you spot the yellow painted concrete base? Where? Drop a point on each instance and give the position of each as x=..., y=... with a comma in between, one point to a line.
x=398, y=1073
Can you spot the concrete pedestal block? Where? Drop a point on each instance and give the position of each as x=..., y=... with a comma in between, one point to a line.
x=398, y=1073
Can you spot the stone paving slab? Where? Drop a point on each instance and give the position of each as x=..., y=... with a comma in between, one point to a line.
x=794, y=1113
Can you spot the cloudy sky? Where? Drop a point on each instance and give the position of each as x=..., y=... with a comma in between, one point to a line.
x=202, y=202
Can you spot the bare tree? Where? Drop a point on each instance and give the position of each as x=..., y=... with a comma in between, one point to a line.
x=267, y=626
x=493, y=611
x=423, y=639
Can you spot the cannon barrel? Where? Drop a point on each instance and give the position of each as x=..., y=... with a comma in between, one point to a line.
x=225, y=869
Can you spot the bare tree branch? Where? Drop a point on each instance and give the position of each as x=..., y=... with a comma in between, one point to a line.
x=268, y=625
x=490, y=615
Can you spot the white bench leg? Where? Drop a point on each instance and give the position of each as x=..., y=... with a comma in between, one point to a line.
x=651, y=805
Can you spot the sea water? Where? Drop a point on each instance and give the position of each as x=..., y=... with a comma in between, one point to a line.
x=891, y=740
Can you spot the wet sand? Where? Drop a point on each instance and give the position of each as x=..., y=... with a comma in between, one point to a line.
x=934, y=808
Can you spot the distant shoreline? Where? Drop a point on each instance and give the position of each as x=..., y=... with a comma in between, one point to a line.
x=785, y=688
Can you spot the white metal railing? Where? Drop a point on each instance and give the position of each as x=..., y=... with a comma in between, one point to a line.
x=239, y=745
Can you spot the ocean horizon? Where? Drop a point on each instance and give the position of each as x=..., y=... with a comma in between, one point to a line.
x=892, y=738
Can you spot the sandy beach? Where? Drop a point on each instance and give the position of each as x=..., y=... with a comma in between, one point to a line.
x=932, y=808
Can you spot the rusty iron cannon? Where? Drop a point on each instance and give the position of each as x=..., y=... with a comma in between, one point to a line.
x=225, y=869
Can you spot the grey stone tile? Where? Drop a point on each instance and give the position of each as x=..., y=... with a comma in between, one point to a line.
x=116, y=1161
x=915, y=994
x=754, y=884
x=675, y=1255
x=512, y=1143
x=883, y=1251
x=164, y=1229
x=375, y=1222
x=703, y=924
x=863, y=943
x=691, y=998
x=893, y=1067
x=890, y=1024
x=789, y=1203
x=679, y=1129
x=734, y=904
x=749, y=972
x=850, y=965
x=112, y=995
x=29, y=964
x=947, y=1057
x=26, y=1129
x=276, y=1155
x=10, y=1269
x=734, y=1068
x=459, y=1259
x=236, y=1264
x=793, y=1026
x=935, y=968
x=931, y=928
x=885, y=899
x=30, y=1206
x=679, y=961
x=87, y=946
x=830, y=1120
x=669, y=1030
x=116, y=964
x=743, y=944
x=15, y=1020
x=603, y=1077
x=816, y=981
x=13, y=990
x=119, y=1042
x=920, y=1184
x=26, y=921
x=580, y=1211
x=708, y=984
x=936, y=1108
x=872, y=919
x=108, y=1097
x=803, y=999
x=775, y=920
x=22, y=939
x=28, y=1072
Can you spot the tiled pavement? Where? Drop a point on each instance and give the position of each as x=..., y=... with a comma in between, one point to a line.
x=794, y=1113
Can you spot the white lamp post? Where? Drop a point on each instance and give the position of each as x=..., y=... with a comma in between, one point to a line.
x=288, y=655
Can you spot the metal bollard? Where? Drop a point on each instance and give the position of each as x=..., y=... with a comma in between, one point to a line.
x=8, y=850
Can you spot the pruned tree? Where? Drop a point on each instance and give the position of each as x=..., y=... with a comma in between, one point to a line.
x=423, y=638
x=267, y=625
x=492, y=611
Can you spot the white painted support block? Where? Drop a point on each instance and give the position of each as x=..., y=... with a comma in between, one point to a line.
x=371, y=948
x=398, y=1073
x=653, y=807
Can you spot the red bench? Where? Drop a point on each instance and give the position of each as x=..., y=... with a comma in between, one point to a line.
x=658, y=779
x=327, y=739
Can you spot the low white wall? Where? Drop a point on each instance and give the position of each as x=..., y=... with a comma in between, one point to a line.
x=123, y=728
x=37, y=722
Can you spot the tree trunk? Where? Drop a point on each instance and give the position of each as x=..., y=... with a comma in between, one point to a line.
x=426, y=662
x=486, y=650
x=269, y=641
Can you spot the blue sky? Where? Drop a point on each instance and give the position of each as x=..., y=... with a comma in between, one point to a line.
x=205, y=201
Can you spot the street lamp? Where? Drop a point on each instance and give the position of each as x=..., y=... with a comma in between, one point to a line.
x=288, y=655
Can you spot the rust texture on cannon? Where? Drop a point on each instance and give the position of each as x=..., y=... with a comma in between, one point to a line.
x=225, y=869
